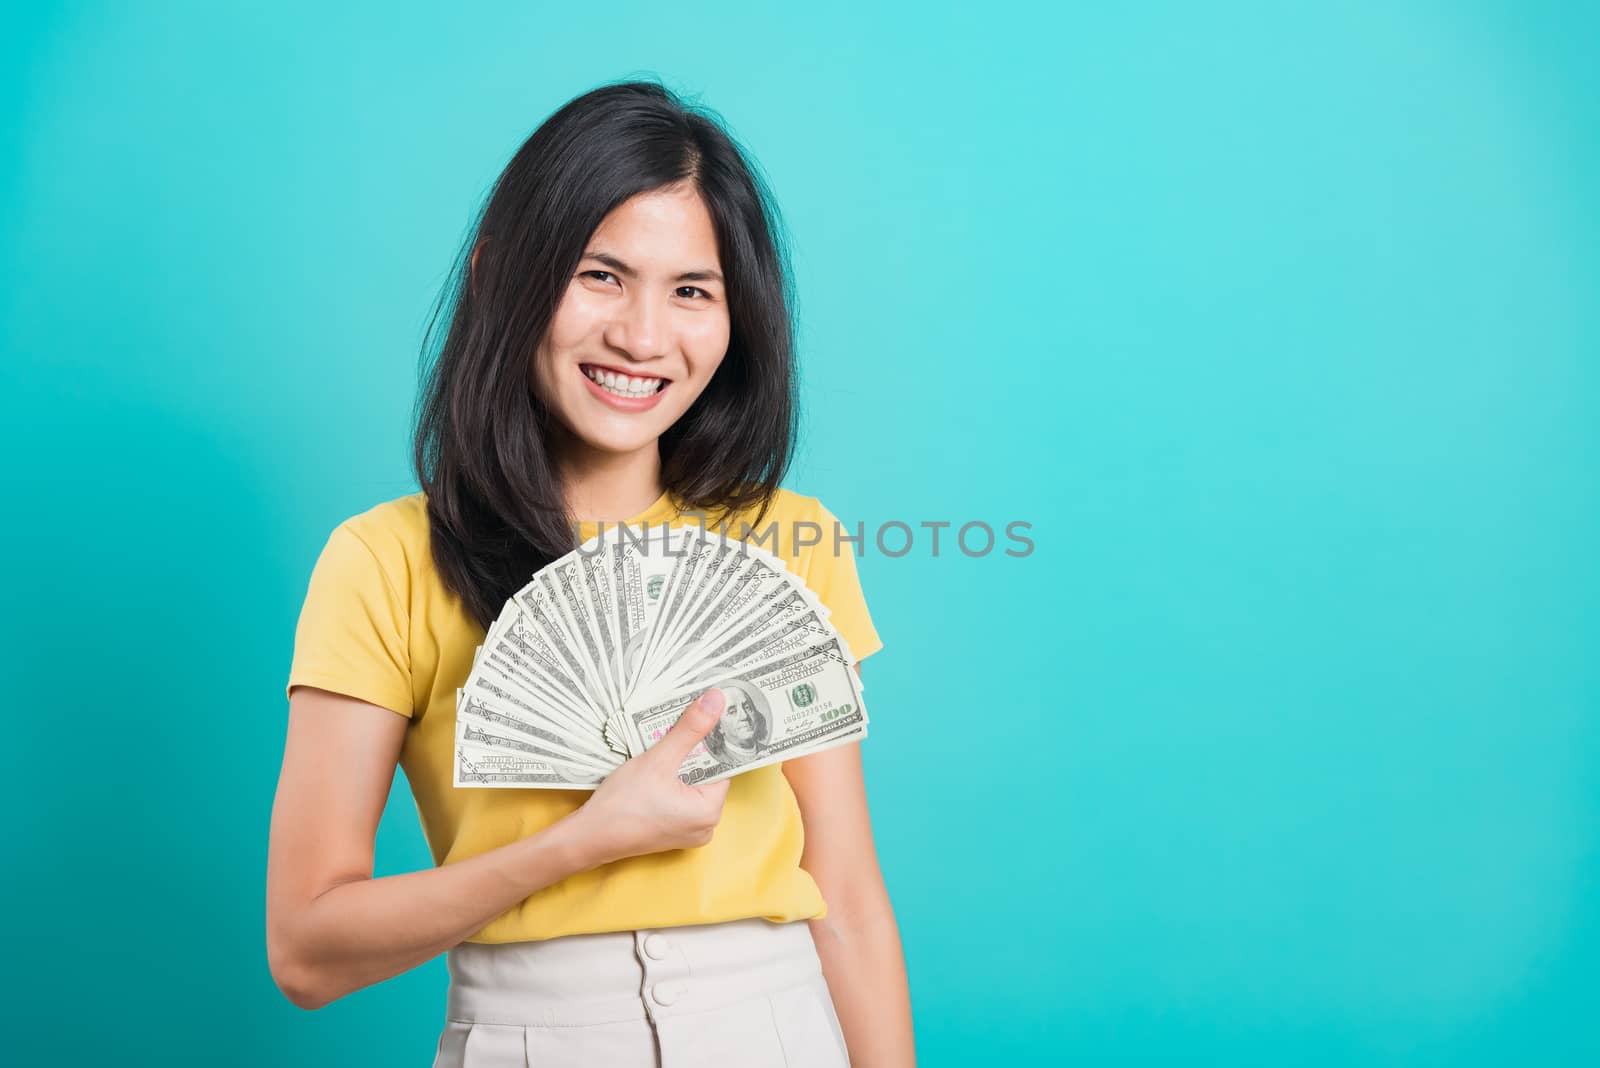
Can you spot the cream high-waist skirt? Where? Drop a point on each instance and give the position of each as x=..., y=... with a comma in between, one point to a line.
x=746, y=993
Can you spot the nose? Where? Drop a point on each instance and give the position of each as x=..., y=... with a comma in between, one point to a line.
x=641, y=328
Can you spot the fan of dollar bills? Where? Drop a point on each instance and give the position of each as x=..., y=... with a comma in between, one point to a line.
x=594, y=660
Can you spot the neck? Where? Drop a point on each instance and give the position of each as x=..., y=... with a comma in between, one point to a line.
x=609, y=487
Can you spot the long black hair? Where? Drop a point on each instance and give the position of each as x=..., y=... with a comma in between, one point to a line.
x=483, y=446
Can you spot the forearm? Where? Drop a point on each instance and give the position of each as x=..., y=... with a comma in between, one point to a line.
x=358, y=933
x=862, y=959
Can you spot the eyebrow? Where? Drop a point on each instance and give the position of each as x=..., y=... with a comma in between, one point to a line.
x=699, y=274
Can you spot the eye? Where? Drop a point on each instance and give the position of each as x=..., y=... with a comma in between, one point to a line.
x=695, y=289
x=608, y=274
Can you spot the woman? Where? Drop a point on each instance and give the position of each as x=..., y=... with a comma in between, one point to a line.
x=619, y=349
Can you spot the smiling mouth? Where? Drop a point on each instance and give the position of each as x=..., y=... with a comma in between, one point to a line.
x=623, y=385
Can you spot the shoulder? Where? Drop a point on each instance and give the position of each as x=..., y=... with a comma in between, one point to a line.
x=787, y=505
x=799, y=528
x=790, y=505
x=788, y=524
x=394, y=532
x=400, y=521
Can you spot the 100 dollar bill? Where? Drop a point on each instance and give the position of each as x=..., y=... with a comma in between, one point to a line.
x=794, y=706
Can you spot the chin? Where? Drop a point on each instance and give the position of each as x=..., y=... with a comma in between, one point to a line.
x=616, y=444
x=618, y=440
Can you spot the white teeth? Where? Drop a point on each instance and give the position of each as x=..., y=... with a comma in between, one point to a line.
x=623, y=385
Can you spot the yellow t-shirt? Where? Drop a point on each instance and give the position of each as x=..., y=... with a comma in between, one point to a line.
x=379, y=625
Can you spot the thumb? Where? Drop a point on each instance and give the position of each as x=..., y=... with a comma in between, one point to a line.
x=695, y=723
x=715, y=792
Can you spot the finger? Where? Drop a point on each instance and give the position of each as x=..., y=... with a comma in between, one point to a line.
x=695, y=723
x=715, y=792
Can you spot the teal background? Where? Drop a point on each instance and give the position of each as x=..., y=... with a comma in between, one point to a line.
x=1277, y=322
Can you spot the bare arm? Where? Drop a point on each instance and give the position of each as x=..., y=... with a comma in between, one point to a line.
x=332, y=928
x=858, y=940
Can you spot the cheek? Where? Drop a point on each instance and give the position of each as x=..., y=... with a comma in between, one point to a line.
x=568, y=332
x=707, y=345
x=576, y=318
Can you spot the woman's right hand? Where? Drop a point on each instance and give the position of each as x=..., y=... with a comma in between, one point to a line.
x=643, y=807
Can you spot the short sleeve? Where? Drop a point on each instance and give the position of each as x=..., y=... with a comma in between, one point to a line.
x=353, y=634
x=831, y=575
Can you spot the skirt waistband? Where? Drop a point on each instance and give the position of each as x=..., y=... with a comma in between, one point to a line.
x=587, y=979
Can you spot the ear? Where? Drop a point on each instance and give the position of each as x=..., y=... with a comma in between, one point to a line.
x=473, y=269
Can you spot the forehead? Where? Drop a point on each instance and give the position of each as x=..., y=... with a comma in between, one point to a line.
x=661, y=229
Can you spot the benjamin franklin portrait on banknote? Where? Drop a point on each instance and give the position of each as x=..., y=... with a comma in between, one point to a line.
x=742, y=733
